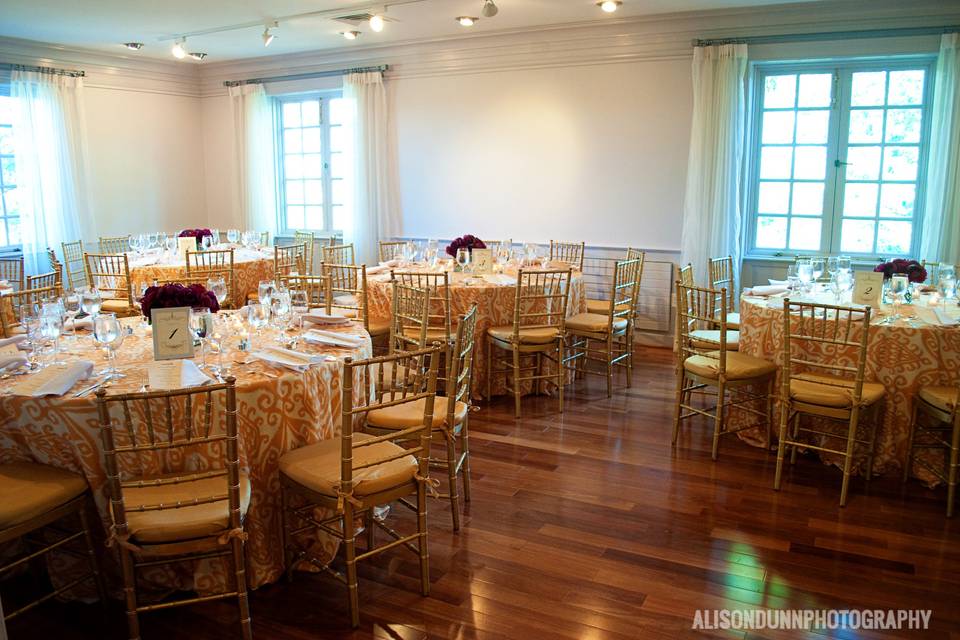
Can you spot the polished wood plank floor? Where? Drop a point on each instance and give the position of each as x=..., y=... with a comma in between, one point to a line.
x=588, y=525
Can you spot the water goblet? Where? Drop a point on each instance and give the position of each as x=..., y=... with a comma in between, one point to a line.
x=300, y=304
x=71, y=305
x=265, y=291
x=218, y=285
x=817, y=268
x=463, y=258
x=108, y=333
x=233, y=236
x=201, y=324
x=90, y=300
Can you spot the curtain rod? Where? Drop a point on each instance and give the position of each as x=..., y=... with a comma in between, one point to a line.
x=73, y=73
x=829, y=35
x=305, y=76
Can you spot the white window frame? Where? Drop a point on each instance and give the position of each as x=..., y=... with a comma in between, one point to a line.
x=834, y=180
x=324, y=97
x=4, y=216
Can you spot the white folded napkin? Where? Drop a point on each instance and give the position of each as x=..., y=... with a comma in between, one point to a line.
x=380, y=268
x=79, y=323
x=288, y=358
x=320, y=317
x=764, y=291
x=944, y=318
x=54, y=380
x=11, y=362
x=15, y=340
x=175, y=374
x=779, y=283
x=499, y=279
x=346, y=299
x=319, y=336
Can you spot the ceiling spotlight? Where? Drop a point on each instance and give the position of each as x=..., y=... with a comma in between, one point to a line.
x=609, y=6
x=489, y=9
x=267, y=37
x=197, y=56
x=351, y=35
x=133, y=46
x=377, y=23
x=467, y=21
x=178, y=51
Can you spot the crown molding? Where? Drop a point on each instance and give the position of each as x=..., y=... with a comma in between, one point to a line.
x=105, y=70
x=645, y=38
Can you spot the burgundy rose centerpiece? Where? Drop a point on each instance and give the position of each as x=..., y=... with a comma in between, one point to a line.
x=902, y=266
x=468, y=242
x=168, y=296
x=197, y=234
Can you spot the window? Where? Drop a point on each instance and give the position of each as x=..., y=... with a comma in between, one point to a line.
x=9, y=207
x=316, y=163
x=839, y=157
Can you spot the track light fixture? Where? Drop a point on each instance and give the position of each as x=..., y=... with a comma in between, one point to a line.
x=489, y=9
x=197, y=56
x=178, y=51
x=467, y=21
x=267, y=36
x=350, y=35
x=377, y=22
x=609, y=6
x=133, y=46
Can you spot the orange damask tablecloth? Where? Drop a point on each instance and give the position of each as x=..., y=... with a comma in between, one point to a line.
x=495, y=303
x=277, y=410
x=902, y=356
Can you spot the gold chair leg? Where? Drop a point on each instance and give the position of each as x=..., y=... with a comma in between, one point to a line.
x=874, y=421
x=285, y=533
x=516, y=381
x=452, y=480
x=560, y=385
x=782, y=444
x=240, y=581
x=629, y=346
x=609, y=366
x=490, y=349
x=771, y=387
x=794, y=438
x=422, y=542
x=370, y=528
x=130, y=594
x=910, y=436
x=92, y=558
x=954, y=463
x=465, y=448
x=848, y=456
x=350, y=556
x=718, y=418
x=678, y=408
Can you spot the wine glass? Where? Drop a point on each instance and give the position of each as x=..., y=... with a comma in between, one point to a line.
x=804, y=272
x=108, y=333
x=833, y=266
x=840, y=283
x=218, y=340
x=90, y=300
x=898, y=287
x=201, y=324
x=844, y=263
x=135, y=244
x=946, y=287
x=265, y=291
x=218, y=285
x=409, y=250
x=300, y=304
x=71, y=305
x=153, y=239
x=430, y=252
x=51, y=326
x=530, y=252
x=233, y=236
x=258, y=315
x=214, y=237
x=817, y=268
x=463, y=258
x=205, y=243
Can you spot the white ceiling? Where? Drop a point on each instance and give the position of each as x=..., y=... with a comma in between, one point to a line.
x=104, y=24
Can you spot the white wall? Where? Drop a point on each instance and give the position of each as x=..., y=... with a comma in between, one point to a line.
x=146, y=167
x=220, y=163
x=594, y=153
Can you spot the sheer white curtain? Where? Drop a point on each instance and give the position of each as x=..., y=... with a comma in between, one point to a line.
x=50, y=158
x=711, y=205
x=376, y=205
x=256, y=166
x=941, y=223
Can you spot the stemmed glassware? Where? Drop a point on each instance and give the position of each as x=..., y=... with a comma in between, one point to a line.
x=206, y=242
x=218, y=285
x=409, y=250
x=898, y=287
x=463, y=258
x=265, y=291
x=817, y=268
x=530, y=250
x=280, y=309
x=201, y=324
x=108, y=333
x=946, y=286
x=805, y=272
x=300, y=304
x=30, y=321
x=833, y=266
x=840, y=283
x=431, y=251
x=71, y=305
x=233, y=236
x=90, y=300
x=51, y=326
x=258, y=315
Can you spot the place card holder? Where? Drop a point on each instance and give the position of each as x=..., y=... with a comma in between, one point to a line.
x=184, y=245
x=481, y=260
x=172, y=338
x=867, y=288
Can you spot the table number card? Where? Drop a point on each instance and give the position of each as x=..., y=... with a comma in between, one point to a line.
x=171, y=333
x=184, y=245
x=481, y=260
x=867, y=288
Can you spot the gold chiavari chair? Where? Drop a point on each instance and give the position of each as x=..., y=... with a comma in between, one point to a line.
x=599, y=305
x=309, y=239
x=450, y=415
x=75, y=272
x=714, y=370
x=347, y=295
x=819, y=341
x=315, y=287
x=10, y=306
x=409, y=319
x=338, y=254
x=391, y=250
x=935, y=418
x=33, y=497
x=11, y=270
x=44, y=280
x=570, y=253
x=709, y=336
x=610, y=329
x=114, y=244
x=56, y=266
x=110, y=273
x=289, y=260
x=174, y=515
x=538, y=330
x=356, y=472
x=439, y=325
x=213, y=264
x=721, y=278
x=686, y=275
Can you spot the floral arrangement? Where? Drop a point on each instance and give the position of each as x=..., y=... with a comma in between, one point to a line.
x=901, y=266
x=198, y=234
x=177, y=295
x=465, y=242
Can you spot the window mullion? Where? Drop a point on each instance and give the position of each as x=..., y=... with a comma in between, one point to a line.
x=840, y=116
x=327, y=184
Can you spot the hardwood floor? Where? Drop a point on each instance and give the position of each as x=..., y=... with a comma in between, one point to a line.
x=588, y=525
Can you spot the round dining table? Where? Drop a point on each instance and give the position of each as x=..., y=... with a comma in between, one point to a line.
x=921, y=348
x=250, y=266
x=493, y=293
x=278, y=410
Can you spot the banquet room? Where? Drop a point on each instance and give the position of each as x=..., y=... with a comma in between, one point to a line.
x=479, y=319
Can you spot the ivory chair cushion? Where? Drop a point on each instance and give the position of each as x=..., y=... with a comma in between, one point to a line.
x=594, y=323
x=434, y=334
x=378, y=326
x=831, y=391
x=602, y=306
x=943, y=398
x=317, y=466
x=116, y=306
x=186, y=523
x=733, y=320
x=29, y=489
x=739, y=366
x=410, y=414
x=539, y=335
x=707, y=338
